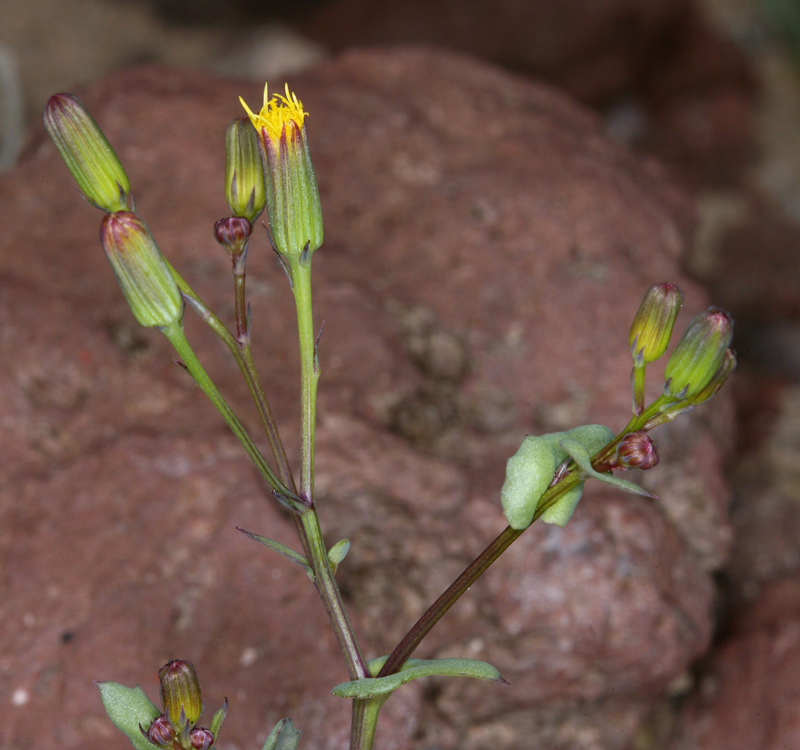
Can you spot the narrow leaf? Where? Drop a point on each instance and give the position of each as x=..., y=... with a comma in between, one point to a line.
x=411, y=670
x=128, y=708
x=219, y=717
x=581, y=456
x=281, y=549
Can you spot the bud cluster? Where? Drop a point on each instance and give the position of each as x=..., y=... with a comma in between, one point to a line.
x=182, y=702
x=700, y=363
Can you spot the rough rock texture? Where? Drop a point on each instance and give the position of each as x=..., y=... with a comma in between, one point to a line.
x=486, y=249
x=750, y=695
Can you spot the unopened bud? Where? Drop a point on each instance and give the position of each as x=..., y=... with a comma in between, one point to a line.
x=244, y=170
x=699, y=354
x=201, y=739
x=652, y=325
x=180, y=693
x=636, y=450
x=161, y=732
x=722, y=374
x=295, y=214
x=87, y=153
x=141, y=270
x=232, y=233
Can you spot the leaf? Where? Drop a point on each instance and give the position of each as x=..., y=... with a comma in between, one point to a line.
x=281, y=549
x=528, y=475
x=128, y=708
x=216, y=721
x=371, y=687
x=561, y=511
x=337, y=553
x=283, y=736
x=583, y=459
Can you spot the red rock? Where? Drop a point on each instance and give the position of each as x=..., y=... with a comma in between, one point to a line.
x=749, y=694
x=486, y=249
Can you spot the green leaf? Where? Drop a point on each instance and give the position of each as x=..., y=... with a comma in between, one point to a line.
x=528, y=475
x=216, y=722
x=128, y=708
x=561, y=511
x=281, y=549
x=583, y=459
x=337, y=553
x=371, y=687
x=283, y=736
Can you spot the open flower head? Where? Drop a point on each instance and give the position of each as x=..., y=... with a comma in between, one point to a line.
x=277, y=112
x=293, y=205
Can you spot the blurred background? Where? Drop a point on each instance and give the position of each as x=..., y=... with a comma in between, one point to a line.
x=711, y=88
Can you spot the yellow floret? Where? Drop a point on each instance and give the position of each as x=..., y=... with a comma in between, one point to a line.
x=276, y=112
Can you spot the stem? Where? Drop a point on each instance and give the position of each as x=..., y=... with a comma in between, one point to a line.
x=309, y=368
x=317, y=554
x=245, y=362
x=177, y=338
x=331, y=597
x=365, y=721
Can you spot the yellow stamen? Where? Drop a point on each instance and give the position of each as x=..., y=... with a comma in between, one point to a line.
x=276, y=112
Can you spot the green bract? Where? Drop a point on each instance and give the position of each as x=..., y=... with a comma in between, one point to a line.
x=530, y=471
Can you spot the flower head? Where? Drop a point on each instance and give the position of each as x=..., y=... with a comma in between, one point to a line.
x=293, y=206
x=142, y=272
x=276, y=113
x=87, y=153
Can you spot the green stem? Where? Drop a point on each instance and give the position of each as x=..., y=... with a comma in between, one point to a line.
x=178, y=340
x=245, y=363
x=317, y=554
x=365, y=721
x=331, y=597
x=309, y=369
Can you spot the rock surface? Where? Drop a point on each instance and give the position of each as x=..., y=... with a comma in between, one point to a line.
x=749, y=695
x=486, y=249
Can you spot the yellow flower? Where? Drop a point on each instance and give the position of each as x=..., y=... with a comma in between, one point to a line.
x=276, y=113
x=293, y=207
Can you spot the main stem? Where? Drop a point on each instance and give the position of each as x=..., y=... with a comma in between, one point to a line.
x=316, y=551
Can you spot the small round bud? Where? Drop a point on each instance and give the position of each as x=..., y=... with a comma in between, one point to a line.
x=636, y=450
x=232, y=233
x=180, y=692
x=652, y=325
x=244, y=170
x=161, y=732
x=699, y=354
x=201, y=739
x=87, y=153
x=141, y=270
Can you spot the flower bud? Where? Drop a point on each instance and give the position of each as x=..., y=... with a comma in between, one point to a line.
x=652, y=325
x=201, y=739
x=141, y=270
x=161, y=732
x=699, y=354
x=295, y=214
x=244, y=171
x=180, y=692
x=636, y=450
x=232, y=233
x=725, y=369
x=87, y=153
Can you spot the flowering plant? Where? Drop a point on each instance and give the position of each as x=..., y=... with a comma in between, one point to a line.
x=269, y=169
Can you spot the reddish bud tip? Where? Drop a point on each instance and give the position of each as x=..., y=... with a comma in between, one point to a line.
x=232, y=233
x=201, y=739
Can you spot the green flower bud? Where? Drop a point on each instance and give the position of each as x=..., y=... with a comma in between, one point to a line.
x=652, y=325
x=244, y=171
x=725, y=369
x=295, y=214
x=141, y=270
x=180, y=693
x=699, y=354
x=87, y=153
